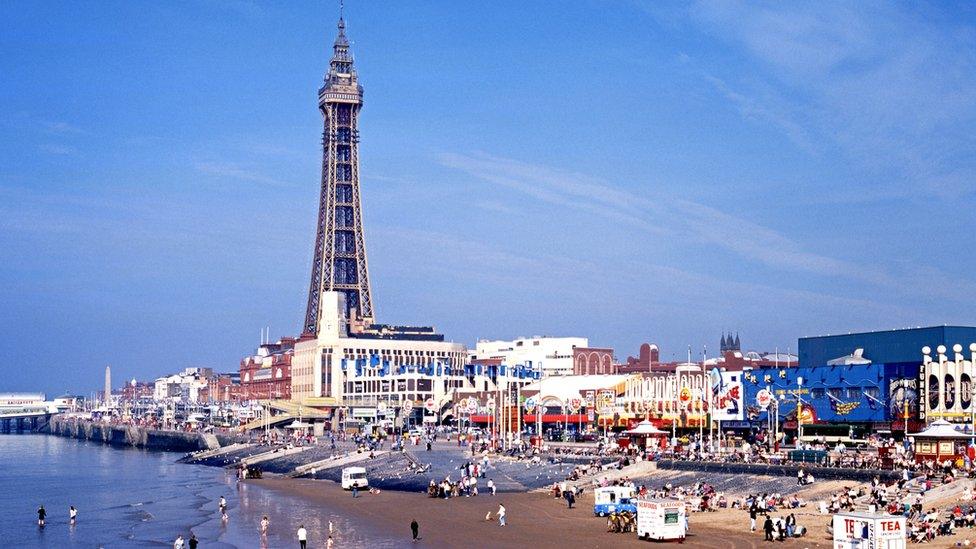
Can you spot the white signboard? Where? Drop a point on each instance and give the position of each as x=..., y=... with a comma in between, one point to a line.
x=407, y=406
x=764, y=398
x=866, y=530
x=430, y=405
x=727, y=395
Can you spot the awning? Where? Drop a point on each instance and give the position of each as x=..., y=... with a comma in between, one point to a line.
x=941, y=429
x=298, y=425
x=644, y=428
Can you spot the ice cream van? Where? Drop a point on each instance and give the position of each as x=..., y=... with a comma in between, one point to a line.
x=613, y=499
x=661, y=519
x=864, y=530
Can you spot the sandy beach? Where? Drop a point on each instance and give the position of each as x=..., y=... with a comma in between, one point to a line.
x=534, y=519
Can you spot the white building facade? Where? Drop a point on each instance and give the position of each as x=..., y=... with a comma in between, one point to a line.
x=553, y=356
x=335, y=369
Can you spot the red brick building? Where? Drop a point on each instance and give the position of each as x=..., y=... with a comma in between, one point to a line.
x=593, y=361
x=267, y=373
x=221, y=388
x=138, y=390
x=648, y=359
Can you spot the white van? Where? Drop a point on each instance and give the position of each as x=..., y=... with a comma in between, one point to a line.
x=354, y=477
x=661, y=519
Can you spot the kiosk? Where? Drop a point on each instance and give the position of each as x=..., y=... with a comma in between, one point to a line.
x=661, y=519
x=867, y=530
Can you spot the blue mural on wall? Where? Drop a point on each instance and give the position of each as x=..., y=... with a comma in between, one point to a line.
x=838, y=394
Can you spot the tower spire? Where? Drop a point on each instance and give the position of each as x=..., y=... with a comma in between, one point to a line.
x=339, y=262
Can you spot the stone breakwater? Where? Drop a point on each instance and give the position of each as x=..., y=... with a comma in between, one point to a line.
x=135, y=436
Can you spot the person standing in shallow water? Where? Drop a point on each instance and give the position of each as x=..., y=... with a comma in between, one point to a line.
x=72, y=515
x=41, y=513
x=414, y=529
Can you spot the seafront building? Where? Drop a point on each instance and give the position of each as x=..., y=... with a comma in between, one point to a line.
x=345, y=365
x=871, y=382
x=553, y=356
x=267, y=373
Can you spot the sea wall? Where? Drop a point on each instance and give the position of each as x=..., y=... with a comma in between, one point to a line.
x=137, y=437
x=819, y=473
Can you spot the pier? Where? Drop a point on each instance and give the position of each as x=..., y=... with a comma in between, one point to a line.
x=137, y=437
x=24, y=420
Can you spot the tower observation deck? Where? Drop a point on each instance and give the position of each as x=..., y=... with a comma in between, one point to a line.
x=339, y=261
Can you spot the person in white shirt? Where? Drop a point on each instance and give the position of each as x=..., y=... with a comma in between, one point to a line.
x=302, y=536
x=501, y=515
x=178, y=544
x=264, y=524
x=72, y=515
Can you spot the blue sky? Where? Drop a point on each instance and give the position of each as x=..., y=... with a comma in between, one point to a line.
x=625, y=171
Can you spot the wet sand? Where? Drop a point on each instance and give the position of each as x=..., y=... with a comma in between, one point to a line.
x=534, y=519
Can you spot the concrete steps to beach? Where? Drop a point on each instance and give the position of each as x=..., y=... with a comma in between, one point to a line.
x=331, y=463
x=207, y=454
x=273, y=454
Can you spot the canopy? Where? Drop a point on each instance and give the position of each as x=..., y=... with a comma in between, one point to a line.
x=941, y=429
x=298, y=425
x=645, y=428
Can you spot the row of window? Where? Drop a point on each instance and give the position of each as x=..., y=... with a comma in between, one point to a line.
x=948, y=391
x=846, y=393
x=384, y=352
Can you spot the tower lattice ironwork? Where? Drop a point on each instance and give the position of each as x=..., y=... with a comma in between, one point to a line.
x=339, y=262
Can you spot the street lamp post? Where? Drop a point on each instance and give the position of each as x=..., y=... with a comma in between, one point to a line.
x=799, y=410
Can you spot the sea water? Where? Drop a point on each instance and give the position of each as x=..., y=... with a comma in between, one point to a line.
x=128, y=497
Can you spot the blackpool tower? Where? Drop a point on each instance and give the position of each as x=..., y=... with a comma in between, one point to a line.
x=339, y=262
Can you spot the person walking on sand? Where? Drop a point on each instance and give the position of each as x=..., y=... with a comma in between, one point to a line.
x=768, y=528
x=72, y=515
x=753, y=513
x=329, y=543
x=193, y=541
x=302, y=536
x=501, y=514
x=178, y=544
x=264, y=524
x=41, y=513
x=414, y=529
x=491, y=486
x=570, y=498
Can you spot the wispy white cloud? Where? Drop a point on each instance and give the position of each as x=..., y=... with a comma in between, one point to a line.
x=59, y=150
x=60, y=128
x=675, y=217
x=891, y=87
x=232, y=170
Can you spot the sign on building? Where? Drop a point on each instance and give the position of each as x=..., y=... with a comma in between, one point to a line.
x=727, y=395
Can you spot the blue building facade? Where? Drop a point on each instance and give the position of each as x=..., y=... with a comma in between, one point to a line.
x=860, y=398
x=879, y=394
x=889, y=346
